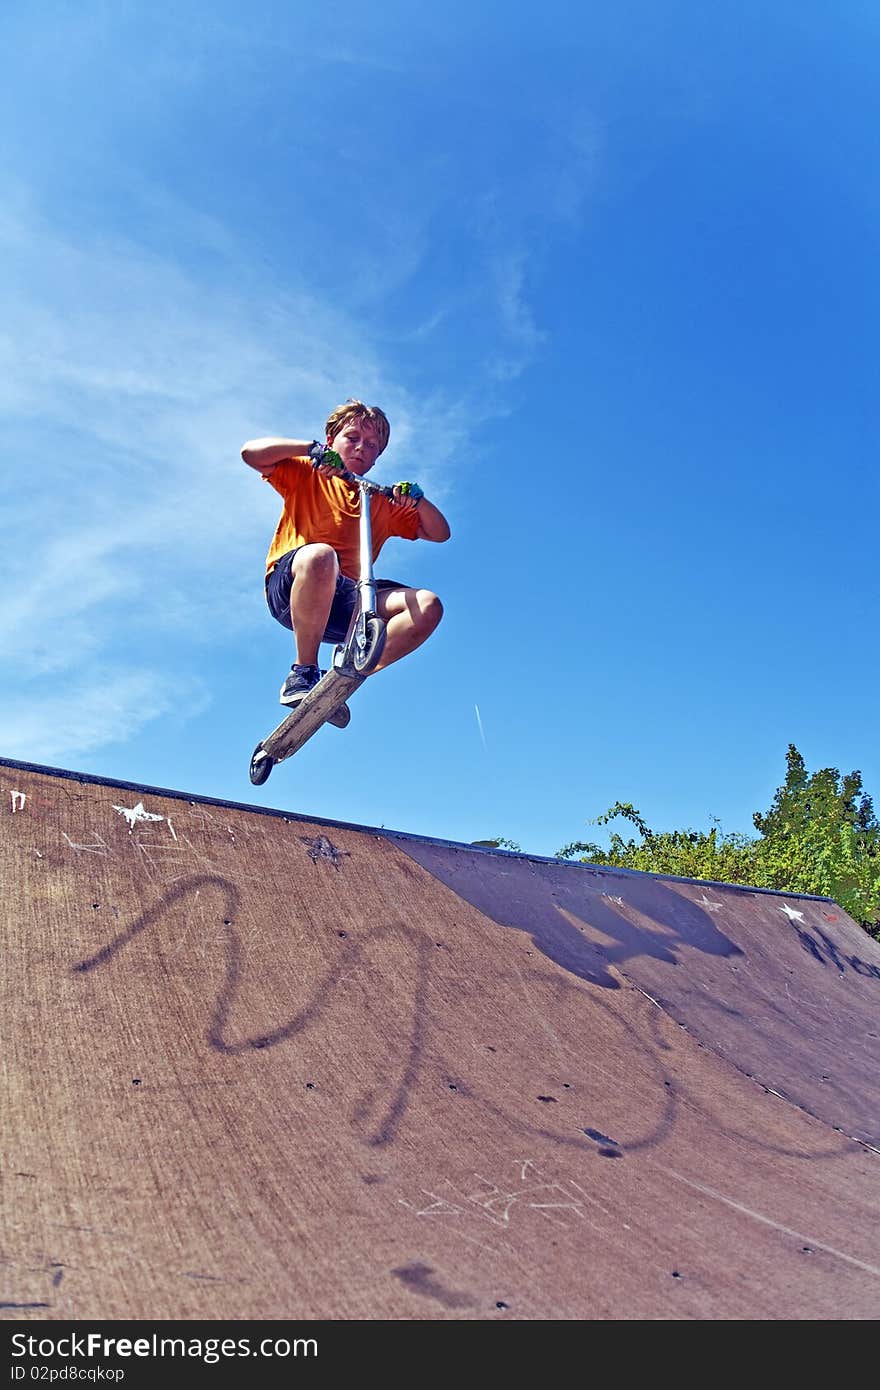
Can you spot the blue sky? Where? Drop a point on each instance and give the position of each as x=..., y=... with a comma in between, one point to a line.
x=612, y=272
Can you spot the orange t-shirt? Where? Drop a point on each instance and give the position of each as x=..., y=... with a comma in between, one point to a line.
x=326, y=509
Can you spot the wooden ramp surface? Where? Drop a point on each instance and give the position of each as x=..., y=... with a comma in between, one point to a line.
x=259, y=1067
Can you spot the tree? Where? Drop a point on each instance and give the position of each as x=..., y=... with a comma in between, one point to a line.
x=820, y=836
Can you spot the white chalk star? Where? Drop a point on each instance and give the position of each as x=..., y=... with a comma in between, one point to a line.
x=791, y=913
x=137, y=813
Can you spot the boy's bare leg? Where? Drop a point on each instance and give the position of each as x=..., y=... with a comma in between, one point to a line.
x=315, y=568
x=411, y=616
x=314, y=571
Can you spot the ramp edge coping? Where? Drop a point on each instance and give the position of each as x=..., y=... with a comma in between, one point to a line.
x=383, y=833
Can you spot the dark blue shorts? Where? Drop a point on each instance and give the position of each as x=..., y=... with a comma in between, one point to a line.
x=280, y=582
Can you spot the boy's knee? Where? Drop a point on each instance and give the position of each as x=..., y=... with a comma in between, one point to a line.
x=431, y=609
x=316, y=559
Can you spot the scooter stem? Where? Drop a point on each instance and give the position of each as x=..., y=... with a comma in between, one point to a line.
x=366, y=583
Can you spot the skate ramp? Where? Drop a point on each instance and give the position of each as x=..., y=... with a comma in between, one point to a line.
x=785, y=987
x=256, y=1066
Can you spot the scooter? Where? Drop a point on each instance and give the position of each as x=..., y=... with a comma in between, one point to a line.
x=352, y=660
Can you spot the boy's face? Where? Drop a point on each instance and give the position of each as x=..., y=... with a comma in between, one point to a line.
x=357, y=444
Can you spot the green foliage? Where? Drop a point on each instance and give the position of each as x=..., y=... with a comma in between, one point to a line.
x=820, y=836
x=499, y=843
x=685, y=853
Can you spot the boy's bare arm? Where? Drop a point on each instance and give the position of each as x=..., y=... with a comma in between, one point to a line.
x=265, y=454
x=433, y=525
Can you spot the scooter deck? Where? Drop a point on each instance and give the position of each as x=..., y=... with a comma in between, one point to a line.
x=310, y=714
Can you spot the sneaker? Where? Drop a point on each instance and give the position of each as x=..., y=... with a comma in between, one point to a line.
x=299, y=682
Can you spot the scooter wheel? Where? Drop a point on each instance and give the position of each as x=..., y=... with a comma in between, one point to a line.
x=364, y=659
x=262, y=764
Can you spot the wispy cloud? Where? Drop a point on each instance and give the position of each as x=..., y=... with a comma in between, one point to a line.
x=106, y=708
x=521, y=337
x=519, y=222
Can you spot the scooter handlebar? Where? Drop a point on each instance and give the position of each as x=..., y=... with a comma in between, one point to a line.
x=355, y=478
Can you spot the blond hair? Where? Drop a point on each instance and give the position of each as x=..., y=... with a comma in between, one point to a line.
x=356, y=410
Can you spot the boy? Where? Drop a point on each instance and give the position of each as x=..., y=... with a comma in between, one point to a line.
x=313, y=561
